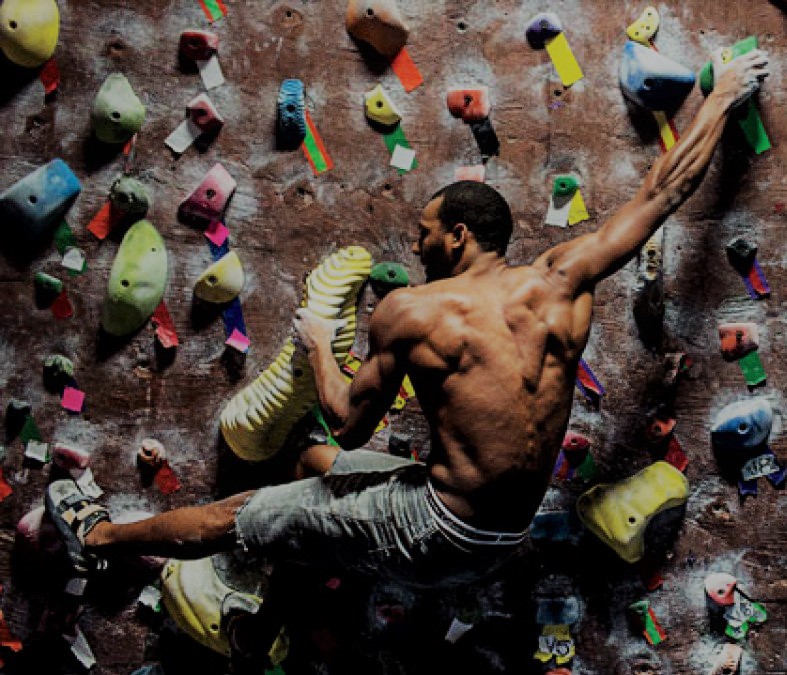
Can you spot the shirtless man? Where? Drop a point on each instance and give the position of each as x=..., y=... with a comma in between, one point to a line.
x=492, y=351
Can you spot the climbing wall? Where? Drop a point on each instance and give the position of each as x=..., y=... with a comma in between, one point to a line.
x=287, y=214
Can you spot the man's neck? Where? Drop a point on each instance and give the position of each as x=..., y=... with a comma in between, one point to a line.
x=480, y=263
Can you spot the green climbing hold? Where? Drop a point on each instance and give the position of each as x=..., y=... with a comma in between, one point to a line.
x=390, y=274
x=48, y=283
x=129, y=197
x=136, y=281
x=117, y=112
x=58, y=373
x=564, y=185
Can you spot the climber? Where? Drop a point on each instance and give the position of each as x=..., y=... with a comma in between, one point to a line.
x=492, y=351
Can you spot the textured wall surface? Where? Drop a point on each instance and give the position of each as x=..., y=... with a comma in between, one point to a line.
x=283, y=220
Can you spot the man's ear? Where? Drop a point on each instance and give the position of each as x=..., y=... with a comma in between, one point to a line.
x=459, y=235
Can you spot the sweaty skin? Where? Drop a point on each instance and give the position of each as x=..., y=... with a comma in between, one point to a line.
x=492, y=350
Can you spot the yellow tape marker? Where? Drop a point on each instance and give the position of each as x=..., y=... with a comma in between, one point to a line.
x=566, y=65
x=668, y=137
x=577, y=212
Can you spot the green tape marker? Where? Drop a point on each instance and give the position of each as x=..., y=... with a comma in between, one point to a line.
x=64, y=237
x=318, y=414
x=748, y=116
x=30, y=431
x=752, y=369
x=397, y=137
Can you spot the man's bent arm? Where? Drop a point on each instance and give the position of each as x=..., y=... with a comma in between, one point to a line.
x=582, y=262
x=353, y=410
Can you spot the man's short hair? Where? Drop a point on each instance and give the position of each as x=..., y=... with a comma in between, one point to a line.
x=482, y=208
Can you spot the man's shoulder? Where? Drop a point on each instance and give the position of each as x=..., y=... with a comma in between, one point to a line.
x=403, y=312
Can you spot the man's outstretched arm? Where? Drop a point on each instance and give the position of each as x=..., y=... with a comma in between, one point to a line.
x=584, y=261
x=353, y=410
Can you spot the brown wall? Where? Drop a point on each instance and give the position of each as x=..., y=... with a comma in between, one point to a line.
x=283, y=220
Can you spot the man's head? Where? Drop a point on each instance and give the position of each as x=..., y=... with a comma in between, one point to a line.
x=463, y=218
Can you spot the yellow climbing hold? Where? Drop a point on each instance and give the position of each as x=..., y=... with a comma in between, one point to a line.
x=257, y=420
x=618, y=513
x=645, y=27
x=29, y=30
x=380, y=108
x=222, y=281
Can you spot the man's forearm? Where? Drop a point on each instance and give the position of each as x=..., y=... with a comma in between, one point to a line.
x=332, y=389
x=677, y=174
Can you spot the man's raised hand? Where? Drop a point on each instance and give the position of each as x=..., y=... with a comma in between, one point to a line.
x=742, y=76
x=313, y=331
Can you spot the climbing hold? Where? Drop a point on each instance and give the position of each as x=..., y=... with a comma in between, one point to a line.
x=649, y=305
x=203, y=114
x=151, y=453
x=728, y=661
x=290, y=115
x=380, y=108
x=129, y=197
x=194, y=594
x=741, y=254
x=378, y=23
x=743, y=424
x=389, y=274
x=469, y=105
x=29, y=31
x=117, y=112
x=555, y=643
x=222, y=281
x=136, y=280
x=542, y=27
x=651, y=80
x=720, y=588
x=58, y=373
x=198, y=45
x=47, y=288
x=645, y=27
x=574, y=442
x=36, y=202
x=619, y=513
x=209, y=200
x=738, y=339
x=564, y=185
x=256, y=421
x=70, y=458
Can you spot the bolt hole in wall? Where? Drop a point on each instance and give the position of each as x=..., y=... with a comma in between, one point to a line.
x=124, y=283
x=115, y=115
x=12, y=25
x=32, y=199
x=461, y=26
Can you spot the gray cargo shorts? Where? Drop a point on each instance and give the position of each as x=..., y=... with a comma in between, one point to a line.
x=372, y=513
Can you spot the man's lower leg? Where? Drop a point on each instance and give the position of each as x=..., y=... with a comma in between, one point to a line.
x=186, y=533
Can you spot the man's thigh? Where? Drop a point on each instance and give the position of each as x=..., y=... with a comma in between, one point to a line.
x=350, y=461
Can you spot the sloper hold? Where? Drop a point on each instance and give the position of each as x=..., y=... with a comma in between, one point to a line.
x=542, y=27
x=210, y=198
x=645, y=27
x=193, y=594
x=743, y=424
x=619, y=513
x=129, y=197
x=651, y=80
x=222, y=281
x=380, y=108
x=29, y=30
x=738, y=339
x=117, y=112
x=469, y=105
x=720, y=588
x=38, y=201
x=198, y=45
x=136, y=280
x=290, y=115
x=203, y=114
x=378, y=23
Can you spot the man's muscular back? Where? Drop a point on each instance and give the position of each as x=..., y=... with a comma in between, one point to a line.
x=492, y=354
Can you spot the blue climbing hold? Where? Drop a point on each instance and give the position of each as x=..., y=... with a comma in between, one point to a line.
x=742, y=425
x=291, y=119
x=32, y=205
x=653, y=81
